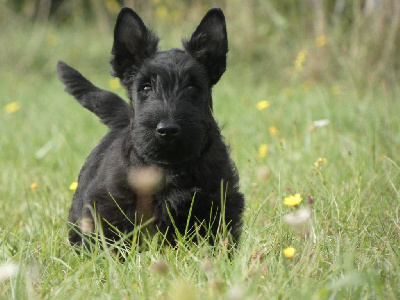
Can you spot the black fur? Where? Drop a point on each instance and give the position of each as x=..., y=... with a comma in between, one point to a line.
x=168, y=124
x=109, y=107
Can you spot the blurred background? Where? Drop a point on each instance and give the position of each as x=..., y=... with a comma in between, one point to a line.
x=274, y=40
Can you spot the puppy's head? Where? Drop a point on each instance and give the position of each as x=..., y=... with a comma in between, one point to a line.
x=170, y=90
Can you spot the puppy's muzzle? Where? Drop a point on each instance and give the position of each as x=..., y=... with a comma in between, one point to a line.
x=167, y=130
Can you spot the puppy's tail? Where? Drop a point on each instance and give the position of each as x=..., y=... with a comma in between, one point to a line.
x=109, y=107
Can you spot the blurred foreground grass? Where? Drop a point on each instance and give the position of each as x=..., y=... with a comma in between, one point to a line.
x=315, y=103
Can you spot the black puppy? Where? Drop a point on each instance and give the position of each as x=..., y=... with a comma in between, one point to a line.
x=164, y=158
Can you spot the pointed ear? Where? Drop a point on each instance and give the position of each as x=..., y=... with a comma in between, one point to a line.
x=209, y=44
x=133, y=43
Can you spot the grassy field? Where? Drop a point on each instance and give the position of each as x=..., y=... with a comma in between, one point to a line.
x=345, y=167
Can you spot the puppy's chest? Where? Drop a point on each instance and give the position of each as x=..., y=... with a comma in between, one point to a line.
x=182, y=182
x=176, y=185
x=182, y=186
x=144, y=208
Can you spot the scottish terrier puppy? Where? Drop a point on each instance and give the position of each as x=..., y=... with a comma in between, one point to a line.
x=163, y=160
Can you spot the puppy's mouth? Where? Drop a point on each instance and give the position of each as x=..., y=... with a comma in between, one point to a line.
x=173, y=155
x=169, y=155
x=173, y=163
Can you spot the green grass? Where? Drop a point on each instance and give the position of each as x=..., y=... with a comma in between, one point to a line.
x=353, y=249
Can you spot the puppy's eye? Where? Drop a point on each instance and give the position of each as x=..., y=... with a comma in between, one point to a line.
x=191, y=87
x=146, y=88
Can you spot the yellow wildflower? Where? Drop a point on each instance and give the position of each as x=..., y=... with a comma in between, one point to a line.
x=320, y=161
x=161, y=12
x=113, y=6
x=292, y=200
x=52, y=40
x=114, y=83
x=335, y=90
x=73, y=186
x=262, y=150
x=263, y=105
x=300, y=59
x=321, y=41
x=12, y=107
x=273, y=131
x=289, y=252
x=34, y=186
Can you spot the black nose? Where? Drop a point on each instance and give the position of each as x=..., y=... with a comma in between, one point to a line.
x=168, y=130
